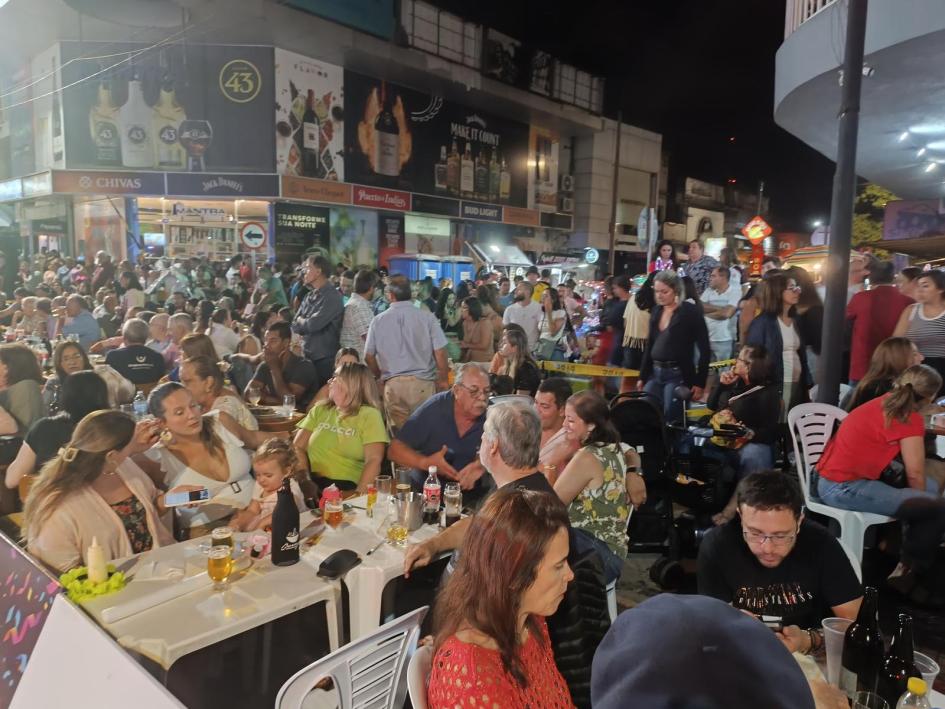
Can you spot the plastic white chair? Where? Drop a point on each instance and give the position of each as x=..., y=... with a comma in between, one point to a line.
x=417, y=672
x=370, y=672
x=854, y=562
x=811, y=427
x=845, y=390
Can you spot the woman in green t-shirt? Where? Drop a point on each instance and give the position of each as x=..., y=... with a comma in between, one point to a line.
x=343, y=439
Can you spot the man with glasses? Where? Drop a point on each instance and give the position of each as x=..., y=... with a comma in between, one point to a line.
x=770, y=561
x=445, y=431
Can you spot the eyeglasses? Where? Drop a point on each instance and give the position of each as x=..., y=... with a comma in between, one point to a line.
x=476, y=392
x=796, y=288
x=778, y=540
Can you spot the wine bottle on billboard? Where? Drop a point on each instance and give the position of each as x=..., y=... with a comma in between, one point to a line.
x=482, y=176
x=103, y=124
x=467, y=173
x=310, y=128
x=134, y=119
x=494, y=177
x=386, y=138
x=505, y=182
x=195, y=137
x=297, y=109
x=899, y=664
x=452, y=170
x=862, y=655
x=439, y=171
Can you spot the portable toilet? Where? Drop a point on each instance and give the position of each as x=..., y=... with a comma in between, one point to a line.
x=416, y=266
x=458, y=269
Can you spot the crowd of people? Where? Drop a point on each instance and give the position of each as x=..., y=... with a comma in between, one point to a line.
x=389, y=371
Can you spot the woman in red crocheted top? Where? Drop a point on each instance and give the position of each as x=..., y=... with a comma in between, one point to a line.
x=492, y=645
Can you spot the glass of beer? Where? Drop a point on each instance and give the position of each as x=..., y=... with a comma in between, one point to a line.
x=219, y=565
x=452, y=503
x=334, y=511
x=222, y=536
x=385, y=485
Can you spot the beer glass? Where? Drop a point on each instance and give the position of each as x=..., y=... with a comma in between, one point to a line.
x=452, y=503
x=385, y=485
x=254, y=393
x=222, y=536
x=334, y=511
x=219, y=565
x=288, y=405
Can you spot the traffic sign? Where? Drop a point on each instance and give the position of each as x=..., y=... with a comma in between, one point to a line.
x=756, y=230
x=253, y=234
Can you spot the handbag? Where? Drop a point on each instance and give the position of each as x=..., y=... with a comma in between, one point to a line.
x=546, y=346
x=894, y=474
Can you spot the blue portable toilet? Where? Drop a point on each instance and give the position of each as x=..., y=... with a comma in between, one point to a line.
x=416, y=266
x=458, y=269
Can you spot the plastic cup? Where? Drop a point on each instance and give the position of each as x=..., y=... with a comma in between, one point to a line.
x=927, y=667
x=834, y=630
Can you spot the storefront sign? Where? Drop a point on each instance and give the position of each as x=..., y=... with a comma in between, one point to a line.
x=435, y=205
x=50, y=226
x=309, y=125
x=229, y=185
x=426, y=226
x=190, y=108
x=80, y=182
x=11, y=189
x=477, y=210
x=517, y=215
x=556, y=221
x=381, y=199
x=37, y=185
x=403, y=139
x=391, y=241
x=253, y=235
x=316, y=190
x=300, y=230
x=756, y=230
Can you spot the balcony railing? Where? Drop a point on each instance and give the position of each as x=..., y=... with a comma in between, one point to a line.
x=798, y=12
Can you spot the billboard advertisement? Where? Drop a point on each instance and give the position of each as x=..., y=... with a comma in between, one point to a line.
x=176, y=108
x=353, y=236
x=391, y=239
x=309, y=117
x=300, y=229
x=543, y=147
x=401, y=139
x=913, y=219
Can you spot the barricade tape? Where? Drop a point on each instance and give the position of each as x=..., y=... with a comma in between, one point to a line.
x=597, y=370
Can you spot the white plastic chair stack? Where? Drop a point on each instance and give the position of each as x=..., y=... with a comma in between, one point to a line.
x=417, y=673
x=369, y=673
x=811, y=427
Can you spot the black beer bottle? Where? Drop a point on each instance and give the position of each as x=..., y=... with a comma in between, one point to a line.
x=285, y=528
x=899, y=664
x=863, y=648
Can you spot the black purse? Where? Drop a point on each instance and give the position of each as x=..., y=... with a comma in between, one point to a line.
x=894, y=474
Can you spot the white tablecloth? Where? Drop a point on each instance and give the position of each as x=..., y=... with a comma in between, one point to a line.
x=168, y=631
x=366, y=581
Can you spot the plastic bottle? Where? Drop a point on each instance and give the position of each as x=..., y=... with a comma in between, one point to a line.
x=916, y=696
x=140, y=405
x=431, y=497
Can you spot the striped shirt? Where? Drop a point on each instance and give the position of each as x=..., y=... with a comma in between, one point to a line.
x=928, y=334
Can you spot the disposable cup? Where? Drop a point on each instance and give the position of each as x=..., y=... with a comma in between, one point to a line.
x=834, y=630
x=927, y=666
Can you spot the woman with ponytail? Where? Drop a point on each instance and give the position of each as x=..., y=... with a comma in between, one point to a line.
x=876, y=463
x=92, y=489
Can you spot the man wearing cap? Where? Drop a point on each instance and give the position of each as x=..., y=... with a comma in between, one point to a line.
x=769, y=561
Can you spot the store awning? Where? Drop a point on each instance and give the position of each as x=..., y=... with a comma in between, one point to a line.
x=497, y=254
x=924, y=247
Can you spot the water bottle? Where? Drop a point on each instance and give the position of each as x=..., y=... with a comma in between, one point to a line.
x=140, y=405
x=916, y=696
x=431, y=497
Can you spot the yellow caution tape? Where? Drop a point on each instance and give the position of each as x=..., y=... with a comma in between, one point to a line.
x=596, y=370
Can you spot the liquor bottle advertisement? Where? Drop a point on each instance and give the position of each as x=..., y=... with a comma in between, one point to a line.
x=309, y=121
x=543, y=147
x=173, y=108
x=391, y=239
x=301, y=230
x=353, y=236
x=399, y=138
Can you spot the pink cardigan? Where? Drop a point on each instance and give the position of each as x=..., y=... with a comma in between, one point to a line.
x=67, y=531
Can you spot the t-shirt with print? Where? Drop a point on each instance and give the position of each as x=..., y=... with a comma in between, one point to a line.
x=336, y=446
x=136, y=363
x=864, y=446
x=814, y=577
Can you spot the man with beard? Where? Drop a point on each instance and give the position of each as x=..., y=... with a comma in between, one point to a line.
x=525, y=313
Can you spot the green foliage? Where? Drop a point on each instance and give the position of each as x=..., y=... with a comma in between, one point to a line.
x=868, y=211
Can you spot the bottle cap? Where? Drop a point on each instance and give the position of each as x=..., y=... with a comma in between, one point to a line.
x=431, y=469
x=917, y=686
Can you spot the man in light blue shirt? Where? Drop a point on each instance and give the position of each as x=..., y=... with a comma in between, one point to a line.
x=77, y=320
x=406, y=349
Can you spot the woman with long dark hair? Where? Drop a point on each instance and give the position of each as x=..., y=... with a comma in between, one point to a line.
x=476, y=345
x=514, y=360
x=21, y=399
x=924, y=322
x=809, y=316
x=492, y=645
x=666, y=258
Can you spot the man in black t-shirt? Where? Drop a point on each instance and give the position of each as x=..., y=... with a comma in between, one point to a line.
x=282, y=372
x=769, y=561
x=135, y=362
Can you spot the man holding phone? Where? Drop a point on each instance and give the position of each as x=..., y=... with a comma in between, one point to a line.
x=770, y=562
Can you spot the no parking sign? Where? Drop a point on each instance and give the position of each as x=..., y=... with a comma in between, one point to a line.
x=253, y=235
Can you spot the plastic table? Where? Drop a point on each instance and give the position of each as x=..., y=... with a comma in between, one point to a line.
x=203, y=617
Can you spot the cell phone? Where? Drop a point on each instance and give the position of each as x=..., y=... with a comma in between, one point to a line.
x=176, y=499
x=773, y=622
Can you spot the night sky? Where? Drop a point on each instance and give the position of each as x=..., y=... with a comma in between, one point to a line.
x=697, y=72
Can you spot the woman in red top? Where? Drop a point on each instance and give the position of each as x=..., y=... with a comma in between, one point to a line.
x=879, y=441
x=492, y=645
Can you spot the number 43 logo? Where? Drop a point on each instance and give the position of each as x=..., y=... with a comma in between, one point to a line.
x=240, y=81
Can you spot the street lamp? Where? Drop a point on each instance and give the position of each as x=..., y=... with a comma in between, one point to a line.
x=817, y=223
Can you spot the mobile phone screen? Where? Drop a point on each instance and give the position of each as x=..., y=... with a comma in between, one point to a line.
x=186, y=498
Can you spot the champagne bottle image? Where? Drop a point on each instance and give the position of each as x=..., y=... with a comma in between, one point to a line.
x=899, y=664
x=452, y=170
x=58, y=146
x=285, y=527
x=467, y=173
x=134, y=123
x=863, y=648
x=103, y=124
x=168, y=115
x=505, y=182
x=386, y=138
x=482, y=176
x=310, y=127
x=494, y=177
x=297, y=109
x=439, y=171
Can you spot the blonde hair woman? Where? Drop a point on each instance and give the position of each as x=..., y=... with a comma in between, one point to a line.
x=343, y=438
x=92, y=489
x=875, y=462
x=514, y=361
